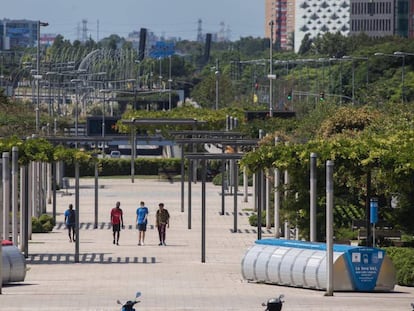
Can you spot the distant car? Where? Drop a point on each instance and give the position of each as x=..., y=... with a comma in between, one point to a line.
x=115, y=154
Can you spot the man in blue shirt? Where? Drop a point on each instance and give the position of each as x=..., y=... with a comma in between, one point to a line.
x=142, y=217
x=70, y=221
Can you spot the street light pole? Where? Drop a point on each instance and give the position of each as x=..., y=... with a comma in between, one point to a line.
x=398, y=54
x=169, y=83
x=76, y=81
x=353, y=58
x=217, y=73
x=39, y=24
x=271, y=69
x=104, y=91
x=403, y=55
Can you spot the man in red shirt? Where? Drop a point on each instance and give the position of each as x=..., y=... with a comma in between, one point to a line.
x=117, y=222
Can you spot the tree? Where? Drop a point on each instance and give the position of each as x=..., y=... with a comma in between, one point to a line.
x=305, y=45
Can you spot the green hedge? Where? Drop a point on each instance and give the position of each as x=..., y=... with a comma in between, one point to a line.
x=403, y=260
x=119, y=167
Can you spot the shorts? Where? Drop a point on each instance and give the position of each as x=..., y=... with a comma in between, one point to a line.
x=142, y=227
x=116, y=227
x=70, y=226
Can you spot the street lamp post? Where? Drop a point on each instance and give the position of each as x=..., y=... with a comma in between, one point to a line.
x=39, y=24
x=51, y=108
x=271, y=24
x=353, y=58
x=402, y=55
x=104, y=91
x=169, y=83
x=76, y=82
x=217, y=73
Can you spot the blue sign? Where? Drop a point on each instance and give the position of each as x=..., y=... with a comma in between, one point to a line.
x=162, y=49
x=374, y=210
x=364, y=265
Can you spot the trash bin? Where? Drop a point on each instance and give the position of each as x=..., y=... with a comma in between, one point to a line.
x=13, y=263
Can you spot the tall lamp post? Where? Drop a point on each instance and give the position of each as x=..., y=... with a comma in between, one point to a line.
x=39, y=24
x=169, y=83
x=217, y=73
x=353, y=58
x=271, y=76
x=402, y=55
x=51, y=108
x=103, y=91
x=76, y=82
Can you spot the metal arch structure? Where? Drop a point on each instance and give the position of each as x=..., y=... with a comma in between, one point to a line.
x=84, y=64
x=118, y=64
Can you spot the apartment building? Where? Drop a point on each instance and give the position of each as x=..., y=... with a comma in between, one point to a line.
x=282, y=14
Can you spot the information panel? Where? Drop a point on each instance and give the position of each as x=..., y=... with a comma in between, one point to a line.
x=364, y=265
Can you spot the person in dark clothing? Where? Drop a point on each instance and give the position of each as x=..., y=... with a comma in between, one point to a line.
x=117, y=222
x=70, y=221
x=162, y=221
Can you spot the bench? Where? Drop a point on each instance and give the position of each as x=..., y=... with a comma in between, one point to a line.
x=389, y=234
x=168, y=173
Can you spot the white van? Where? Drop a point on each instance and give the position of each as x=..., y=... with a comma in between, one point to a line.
x=115, y=154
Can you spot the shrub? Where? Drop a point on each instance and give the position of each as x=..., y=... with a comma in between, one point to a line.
x=253, y=219
x=36, y=225
x=43, y=224
x=403, y=260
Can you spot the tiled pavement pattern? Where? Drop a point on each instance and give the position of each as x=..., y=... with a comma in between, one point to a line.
x=170, y=277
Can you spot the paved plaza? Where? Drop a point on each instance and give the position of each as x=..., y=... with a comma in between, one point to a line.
x=171, y=277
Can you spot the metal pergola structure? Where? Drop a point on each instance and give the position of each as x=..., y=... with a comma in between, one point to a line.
x=189, y=137
x=221, y=156
x=223, y=138
x=203, y=157
x=133, y=123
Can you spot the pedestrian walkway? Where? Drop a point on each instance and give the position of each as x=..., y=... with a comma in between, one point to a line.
x=170, y=277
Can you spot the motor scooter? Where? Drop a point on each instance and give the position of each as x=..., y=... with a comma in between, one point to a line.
x=274, y=304
x=129, y=305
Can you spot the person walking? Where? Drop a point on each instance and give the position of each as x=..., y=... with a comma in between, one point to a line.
x=162, y=221
x=70, y=221
x=142, y=219
x=117, y=221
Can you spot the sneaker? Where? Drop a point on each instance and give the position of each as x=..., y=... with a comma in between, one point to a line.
x=139, y=243
x=142, y=243
x=163, y=243
x=117, y=243
x=113, y=242
x=160, y=244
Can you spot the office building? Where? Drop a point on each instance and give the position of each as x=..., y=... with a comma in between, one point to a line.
x=17, y=34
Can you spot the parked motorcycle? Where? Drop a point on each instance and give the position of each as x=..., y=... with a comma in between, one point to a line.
x=274, y=304
x=129, y=305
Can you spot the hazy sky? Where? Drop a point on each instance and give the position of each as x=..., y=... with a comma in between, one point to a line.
x=164, y=17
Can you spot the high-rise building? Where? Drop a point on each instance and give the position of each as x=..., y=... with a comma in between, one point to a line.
x=282, y=14
x=316, y=17
x=297, y=18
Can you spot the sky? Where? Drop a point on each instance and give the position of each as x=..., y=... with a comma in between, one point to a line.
x=168, y=18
